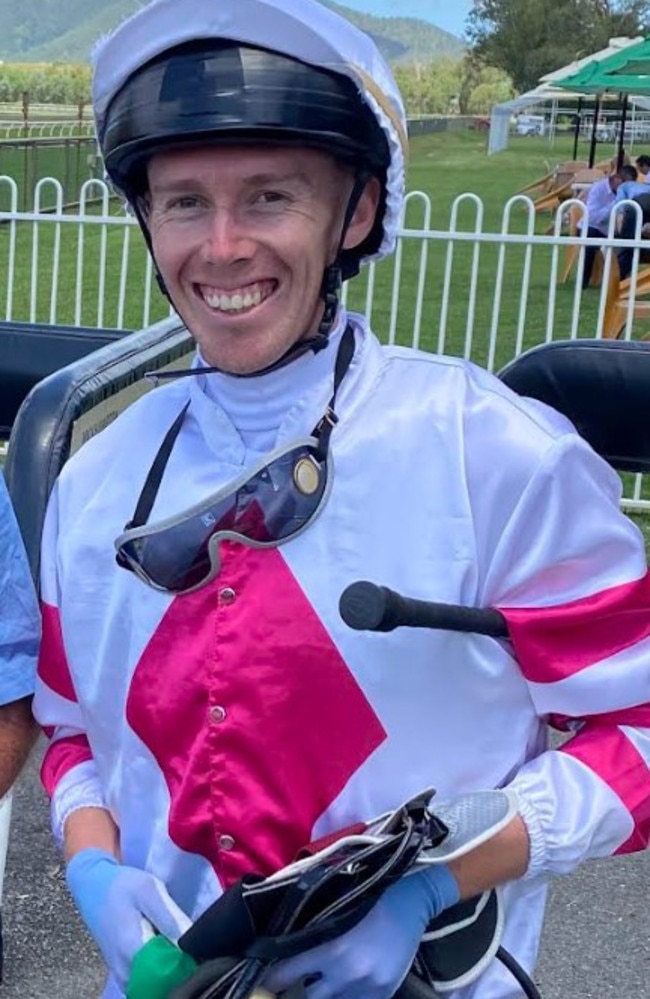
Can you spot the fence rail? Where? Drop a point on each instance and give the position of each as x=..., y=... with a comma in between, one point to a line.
x=34, y=110
x=451, y=286
x=45, y=129
x=70, y=159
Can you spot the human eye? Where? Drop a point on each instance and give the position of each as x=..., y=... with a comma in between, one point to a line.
x=184, y=202
x=272, y=199
x=175, y=206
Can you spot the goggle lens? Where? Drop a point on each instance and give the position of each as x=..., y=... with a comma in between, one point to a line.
x=273, y=505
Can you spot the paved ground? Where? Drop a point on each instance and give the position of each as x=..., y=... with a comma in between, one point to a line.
x=597, y=942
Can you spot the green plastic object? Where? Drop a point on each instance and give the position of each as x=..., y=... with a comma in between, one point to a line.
x=158, y=967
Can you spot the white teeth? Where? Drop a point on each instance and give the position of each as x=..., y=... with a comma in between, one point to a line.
x=234, y=303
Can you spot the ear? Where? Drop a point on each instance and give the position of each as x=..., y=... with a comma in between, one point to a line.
x=364, y=215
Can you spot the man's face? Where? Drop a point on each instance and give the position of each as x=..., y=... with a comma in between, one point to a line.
x=241, y=236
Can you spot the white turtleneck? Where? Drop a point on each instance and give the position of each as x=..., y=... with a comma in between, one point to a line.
x=257, y=406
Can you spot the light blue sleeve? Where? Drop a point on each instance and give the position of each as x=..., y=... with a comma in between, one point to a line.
x=19, y=614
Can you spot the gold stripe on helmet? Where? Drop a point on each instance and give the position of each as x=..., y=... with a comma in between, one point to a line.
x=385, y=104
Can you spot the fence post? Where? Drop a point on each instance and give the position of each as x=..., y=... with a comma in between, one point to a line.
x=25, y=113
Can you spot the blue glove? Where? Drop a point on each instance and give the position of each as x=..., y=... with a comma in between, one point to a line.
x=373, y=958
x=121, y=906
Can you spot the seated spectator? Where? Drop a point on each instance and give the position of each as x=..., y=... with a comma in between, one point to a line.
x=626, y=224
x=600, y=200
x=630, y=186
x=643, y=166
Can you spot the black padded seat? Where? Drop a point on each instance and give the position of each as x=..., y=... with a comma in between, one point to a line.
x=30, y=352
x=71, y=404
x=602, y=386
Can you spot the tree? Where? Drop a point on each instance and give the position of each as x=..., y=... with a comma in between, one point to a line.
x=44, y=83
x=494, y=87
x=450, y=86
x=528, y=38
x=429, y=88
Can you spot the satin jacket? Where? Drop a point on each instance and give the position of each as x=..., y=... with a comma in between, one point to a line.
x=226, y=728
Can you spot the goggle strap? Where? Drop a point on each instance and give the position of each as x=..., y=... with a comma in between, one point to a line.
x=152, y=482
x=321, y=432
x=326, y=424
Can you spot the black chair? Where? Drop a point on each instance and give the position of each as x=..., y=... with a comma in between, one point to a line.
x=30, y=352
x=602, y=386
x=68, y=406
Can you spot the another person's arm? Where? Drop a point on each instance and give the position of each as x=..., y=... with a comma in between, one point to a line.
x=19, y=640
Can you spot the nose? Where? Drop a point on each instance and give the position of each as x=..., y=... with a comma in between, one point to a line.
x=226, y=241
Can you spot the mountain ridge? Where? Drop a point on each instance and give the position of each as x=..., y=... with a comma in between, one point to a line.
x=66, y=30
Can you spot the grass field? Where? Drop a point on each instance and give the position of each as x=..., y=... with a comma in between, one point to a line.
x=70, y=160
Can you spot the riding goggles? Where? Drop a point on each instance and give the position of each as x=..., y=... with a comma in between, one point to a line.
x=275, y=501
x=262, y=508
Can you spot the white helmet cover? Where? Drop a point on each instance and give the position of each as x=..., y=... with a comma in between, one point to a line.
x=300, y=29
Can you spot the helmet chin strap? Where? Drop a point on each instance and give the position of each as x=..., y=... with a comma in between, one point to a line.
x=333, y=277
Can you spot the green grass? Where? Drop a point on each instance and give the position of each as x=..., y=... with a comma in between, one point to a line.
x=70, y=160
x=76, y=298
x=446, y=166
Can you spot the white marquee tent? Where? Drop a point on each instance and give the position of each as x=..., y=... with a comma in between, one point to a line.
x=546, y=92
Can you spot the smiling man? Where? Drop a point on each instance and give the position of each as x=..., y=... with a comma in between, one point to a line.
x=243, y=236
x=210, y=713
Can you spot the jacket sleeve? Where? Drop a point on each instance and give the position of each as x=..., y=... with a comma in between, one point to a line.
x=19, y=617
x=68, y=771
x=569, y=572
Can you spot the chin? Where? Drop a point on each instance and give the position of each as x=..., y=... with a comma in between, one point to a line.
x=242, y=363
x=244, y=356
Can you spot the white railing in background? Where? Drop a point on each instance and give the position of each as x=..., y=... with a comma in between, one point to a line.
x=452, y=285
x=14, y=130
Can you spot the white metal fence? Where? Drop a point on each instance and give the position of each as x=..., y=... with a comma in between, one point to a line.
x=45, y=129
x=453, y=285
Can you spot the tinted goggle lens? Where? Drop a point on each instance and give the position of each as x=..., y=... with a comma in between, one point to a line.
x=271, y=506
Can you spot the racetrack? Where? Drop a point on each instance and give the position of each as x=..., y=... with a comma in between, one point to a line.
x=597, y=941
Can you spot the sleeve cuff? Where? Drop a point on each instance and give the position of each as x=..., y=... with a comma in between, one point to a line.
x=538, y=860
x=79, y=788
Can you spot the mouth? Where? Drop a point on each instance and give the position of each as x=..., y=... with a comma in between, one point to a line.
x=236, y=301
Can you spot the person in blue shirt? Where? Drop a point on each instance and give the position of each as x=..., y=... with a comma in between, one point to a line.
x=627, y=215
x=642, y=164
x=630, y=187
x=19, y=643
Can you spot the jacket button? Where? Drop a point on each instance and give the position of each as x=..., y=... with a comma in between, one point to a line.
x=227, y=595
x=226, y=842
x=217, y=713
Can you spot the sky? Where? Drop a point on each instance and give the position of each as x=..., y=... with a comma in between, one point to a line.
x=442, y=13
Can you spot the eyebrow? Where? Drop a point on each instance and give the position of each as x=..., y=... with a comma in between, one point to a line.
x=181, y=184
